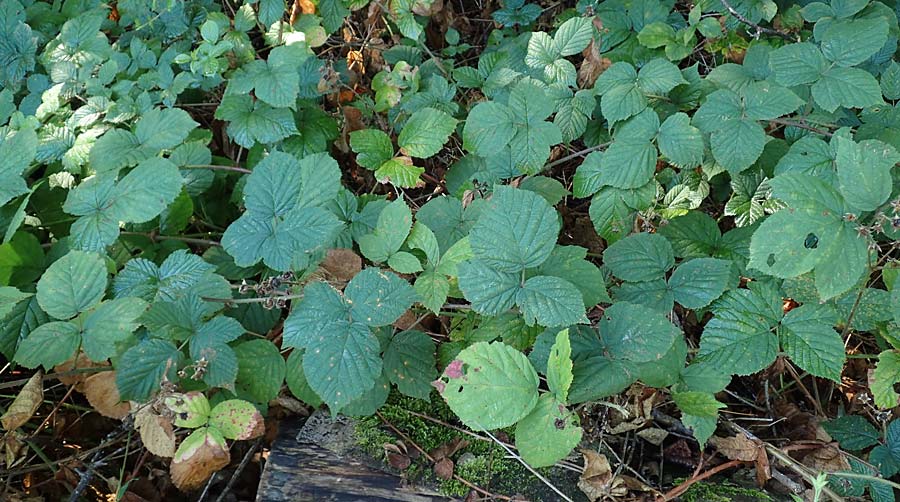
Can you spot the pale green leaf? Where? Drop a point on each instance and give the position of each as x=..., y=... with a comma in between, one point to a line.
x=559, y=367
x=547, y=434
x=425, y=133
x=489, y=386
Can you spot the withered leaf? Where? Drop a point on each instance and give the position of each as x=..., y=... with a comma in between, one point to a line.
x=25, y=404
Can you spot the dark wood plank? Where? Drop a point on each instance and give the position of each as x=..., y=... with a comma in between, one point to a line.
x=299, y=471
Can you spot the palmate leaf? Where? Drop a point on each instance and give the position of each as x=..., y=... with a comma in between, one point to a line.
x=282, y=223
x=739, y=337
x=394, y=224
x=250, y=122
x=490, y=291
x=102, y=202
x=815, y=235
x=373, y=147
x=340, y=359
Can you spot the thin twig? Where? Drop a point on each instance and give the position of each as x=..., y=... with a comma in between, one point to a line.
x=48, y=376
x=239, y=470
x=214, y=167
x=580, y=153
x=189, y=240
x=802, y=125
x=678, y=490
x=759, y=29
x=531, y=469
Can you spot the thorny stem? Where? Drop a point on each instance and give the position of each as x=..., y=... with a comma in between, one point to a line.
x=214, y=167
x=580, y=153
x=250, y=300
x=189, y=240
x=759, y=30
x=802, y=125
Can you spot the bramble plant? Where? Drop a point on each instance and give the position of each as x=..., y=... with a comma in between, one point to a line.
x=184, y=189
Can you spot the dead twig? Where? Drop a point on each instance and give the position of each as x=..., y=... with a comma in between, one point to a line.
x=758, y=30
x=678, y=490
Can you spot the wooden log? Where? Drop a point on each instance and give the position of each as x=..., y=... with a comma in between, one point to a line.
x=300, y=471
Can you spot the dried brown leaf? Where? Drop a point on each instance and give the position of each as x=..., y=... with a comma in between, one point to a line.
x=597, y=481
x=739, y=447
x=156, y=432
x=25, y=404
x=101, y=391
x=342, y=264
x=443, y=468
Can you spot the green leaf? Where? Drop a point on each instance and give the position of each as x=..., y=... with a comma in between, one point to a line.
x=433, y=288
x=489, y=127
x=808, y=337
x=297, y=382
x=656, y=35
x=559, y=367
x=342, y=365
x=636, y=333
x=209, y=343
x=550, y=301
x=737, y=144
x=847, y=87
x=490, y=291
x=250, y=122
x=573, y=36
x=401, y=172
x=425, y=133
x=18, y=150
x=699, y=412
x=161, y=129
x=849, y=42
x=853, y=432
x=864, y=171
x=159, y=359
x=517, y=230
x=373, y=147
x=659, y=76
x=634, y=161
x=680, y=142
x=885, y=376
x=640, y=257
x=21, y=260
x=739, y=337
x=655, y=294
x=696, y=283
x=110, y=323
x=73, y=284
x=394, y=224
x=765, y=100
x=489, y=386
x=378, y=298
x=281, y=223
x=409, y=363
x=569, y=263
x=797, y=64
x=260, y=370
x=48, y=345
x=547, y=434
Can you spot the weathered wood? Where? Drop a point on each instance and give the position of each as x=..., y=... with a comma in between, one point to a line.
x=300, y=471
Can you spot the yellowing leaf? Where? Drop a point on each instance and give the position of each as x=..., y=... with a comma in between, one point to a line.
x=200, y=455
